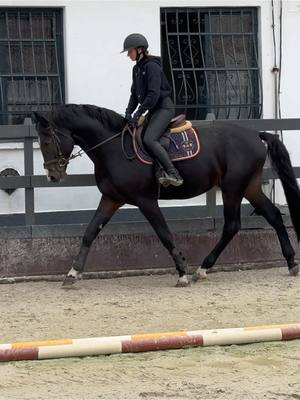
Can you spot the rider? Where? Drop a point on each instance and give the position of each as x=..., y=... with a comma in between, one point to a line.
x=151, y=91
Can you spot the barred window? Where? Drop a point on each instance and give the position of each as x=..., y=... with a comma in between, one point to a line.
x=210, y=57
x=31, y=62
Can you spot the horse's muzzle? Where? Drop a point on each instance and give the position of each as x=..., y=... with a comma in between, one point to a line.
x=55, y=176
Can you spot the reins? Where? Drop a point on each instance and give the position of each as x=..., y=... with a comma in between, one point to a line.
x=63, y=161
x=79, y=153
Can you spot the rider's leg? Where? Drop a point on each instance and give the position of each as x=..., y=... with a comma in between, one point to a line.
x=157, y=125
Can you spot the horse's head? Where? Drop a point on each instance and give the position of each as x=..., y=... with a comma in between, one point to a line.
x=56, y=145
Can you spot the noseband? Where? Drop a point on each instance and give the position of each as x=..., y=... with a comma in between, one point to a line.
x=61, y=161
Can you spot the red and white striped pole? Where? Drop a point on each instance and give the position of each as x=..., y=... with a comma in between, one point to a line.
x=148, y=342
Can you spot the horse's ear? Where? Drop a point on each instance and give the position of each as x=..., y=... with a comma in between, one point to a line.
x=37, y=117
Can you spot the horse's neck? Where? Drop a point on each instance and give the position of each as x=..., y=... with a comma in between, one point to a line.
x=90, y=142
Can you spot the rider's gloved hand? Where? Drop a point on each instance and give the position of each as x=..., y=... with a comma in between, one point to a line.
x=137, y=118
x=128, y=118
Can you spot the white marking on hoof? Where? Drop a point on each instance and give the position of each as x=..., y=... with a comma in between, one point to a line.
x=182, y=281
x=71, y=278
x=73, y=273
x=199, y=275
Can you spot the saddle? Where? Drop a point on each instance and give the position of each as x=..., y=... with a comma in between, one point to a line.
x=180, y=140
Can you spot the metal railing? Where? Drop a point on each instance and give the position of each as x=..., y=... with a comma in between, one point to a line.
x=31, y=61
x=29, y=181
x=210, y=54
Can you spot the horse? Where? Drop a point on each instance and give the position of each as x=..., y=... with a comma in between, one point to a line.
x=231, y=158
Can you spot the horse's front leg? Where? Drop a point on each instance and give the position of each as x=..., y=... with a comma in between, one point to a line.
x=151, y=210
x=106, y=209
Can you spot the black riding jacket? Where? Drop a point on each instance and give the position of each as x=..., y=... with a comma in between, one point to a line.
x=149, y=85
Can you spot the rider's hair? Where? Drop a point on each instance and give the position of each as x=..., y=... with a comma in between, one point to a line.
x=144, y=51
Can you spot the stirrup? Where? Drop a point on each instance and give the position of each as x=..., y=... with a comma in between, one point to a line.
x=162, y=177
x=169, y=179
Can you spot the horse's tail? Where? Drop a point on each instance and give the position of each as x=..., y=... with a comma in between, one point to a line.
x=282, y=164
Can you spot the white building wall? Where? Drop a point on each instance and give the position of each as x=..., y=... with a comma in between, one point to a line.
x=96, y=73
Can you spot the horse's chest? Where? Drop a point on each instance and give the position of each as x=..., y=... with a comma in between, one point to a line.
x=107, y=188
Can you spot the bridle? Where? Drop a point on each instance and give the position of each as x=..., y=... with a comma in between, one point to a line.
x=62, y=161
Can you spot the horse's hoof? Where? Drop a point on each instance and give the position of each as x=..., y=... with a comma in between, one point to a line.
x=71, y=278
x=294, y=271
x=69, y=281
x=183, y=281
x=199, y=275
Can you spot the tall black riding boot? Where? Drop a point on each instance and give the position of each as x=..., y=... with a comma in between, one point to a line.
x=157, y=125
x=169, y=174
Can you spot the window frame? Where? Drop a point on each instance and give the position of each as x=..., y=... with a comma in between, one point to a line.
x=35, y=80
x=253, y=107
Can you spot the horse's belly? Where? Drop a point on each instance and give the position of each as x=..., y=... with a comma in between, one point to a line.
x=173, y=193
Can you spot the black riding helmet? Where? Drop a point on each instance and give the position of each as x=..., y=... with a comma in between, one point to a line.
x=134, y=41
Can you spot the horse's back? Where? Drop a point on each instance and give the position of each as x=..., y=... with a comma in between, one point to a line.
x=229, y=141
x=224, y=149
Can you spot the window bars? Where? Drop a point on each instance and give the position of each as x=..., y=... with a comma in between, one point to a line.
x=210, y=57
x=31, y=62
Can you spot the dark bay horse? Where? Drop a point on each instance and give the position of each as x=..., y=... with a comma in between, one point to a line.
x=231, y=158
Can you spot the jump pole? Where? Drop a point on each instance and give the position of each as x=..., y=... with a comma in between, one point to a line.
x=21, y=351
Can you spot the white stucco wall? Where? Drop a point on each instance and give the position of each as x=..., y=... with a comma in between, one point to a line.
x=96, y=73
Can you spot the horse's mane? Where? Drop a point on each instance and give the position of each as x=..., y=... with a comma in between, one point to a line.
x=108, y=118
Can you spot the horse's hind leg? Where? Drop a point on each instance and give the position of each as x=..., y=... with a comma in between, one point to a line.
x=232, y=224
x=151, y=210
x=266, y=208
